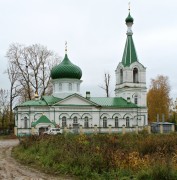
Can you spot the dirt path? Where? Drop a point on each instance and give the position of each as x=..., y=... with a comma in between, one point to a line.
x=11, y=170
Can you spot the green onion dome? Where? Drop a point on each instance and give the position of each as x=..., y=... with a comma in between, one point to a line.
x=66, y=69
x=129, y=19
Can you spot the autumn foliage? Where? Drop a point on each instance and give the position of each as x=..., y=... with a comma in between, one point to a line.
x=158, y=98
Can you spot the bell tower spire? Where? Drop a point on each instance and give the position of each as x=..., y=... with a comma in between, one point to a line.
x=129, y=55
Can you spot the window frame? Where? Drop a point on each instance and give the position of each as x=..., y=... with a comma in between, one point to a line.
x=135, y=75
x=121, y=76
x=86, y=122
x=64, y=122
x=116, y=122
x=127, y=121
x=105, y=122
x=70, y=86
x=75, y=120
x=25, y=122
x=60, y=86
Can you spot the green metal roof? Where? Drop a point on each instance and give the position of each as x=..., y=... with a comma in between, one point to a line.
x=44, y=101
x=42, y=119
x=66, y=69
x=34, y=103
x=129, y=19
x=96, y=101
x=112, y=102
x=129, y=55
x=50, y=99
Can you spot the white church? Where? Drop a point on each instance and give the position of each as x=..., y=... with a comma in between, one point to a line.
x=67, y=108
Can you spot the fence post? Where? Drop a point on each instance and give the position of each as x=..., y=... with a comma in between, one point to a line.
x=65, y=130
x=110, y=129
x=173, y=128
x=15, y=131
x=149, y=129
x=123, y=129
x=136, y=129
x=32, y=130
x=95, y=129
x=80, y=130
x=161, y=128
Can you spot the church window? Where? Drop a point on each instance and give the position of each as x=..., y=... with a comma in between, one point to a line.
x=64, y=122
x=70, y=87
x=105, y=122
x=135, y=75
x=78, y=87
x=121, y=76
x=136, y=99
x=60, y=87
x=25, y=122
x=55, y=87
x=116, y=122
x=75, y=120
x=127, y=122
x=86, y=122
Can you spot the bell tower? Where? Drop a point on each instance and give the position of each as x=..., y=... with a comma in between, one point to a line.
x=130, y=73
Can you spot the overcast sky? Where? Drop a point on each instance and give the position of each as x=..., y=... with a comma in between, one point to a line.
x=96, y=33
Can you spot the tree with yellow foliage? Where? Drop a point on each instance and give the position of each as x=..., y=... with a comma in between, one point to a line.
x=158, y=98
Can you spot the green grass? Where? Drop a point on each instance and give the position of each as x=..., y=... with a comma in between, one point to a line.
x=128, y=156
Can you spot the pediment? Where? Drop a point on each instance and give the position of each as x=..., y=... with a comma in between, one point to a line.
x=138, y=65
x=76, y=100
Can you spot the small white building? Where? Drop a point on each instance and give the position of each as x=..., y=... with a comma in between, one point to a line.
x=68, y=108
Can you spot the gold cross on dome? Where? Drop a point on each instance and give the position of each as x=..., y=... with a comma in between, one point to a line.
x=66, y=47
x=129, y=6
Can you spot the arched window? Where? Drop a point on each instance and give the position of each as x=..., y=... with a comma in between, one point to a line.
x=121, y=76
x=116, y=122
x=64, y=122
x=136, y=99
x=60, y=87
x=25, y=122
x=75, y=120
x=86, y=122
x=127, y=122
x=135, y=75
x=105, y=122
x=78, y=88
x=70, y=87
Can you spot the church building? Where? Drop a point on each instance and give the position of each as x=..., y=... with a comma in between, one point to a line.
x=67, y=108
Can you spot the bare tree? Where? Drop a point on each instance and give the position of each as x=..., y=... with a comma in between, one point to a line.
x=14, y=88
x=4, y=108
x=106, y=85
x=32, y=66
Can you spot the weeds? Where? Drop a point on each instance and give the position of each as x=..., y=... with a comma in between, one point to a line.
x=127, y=156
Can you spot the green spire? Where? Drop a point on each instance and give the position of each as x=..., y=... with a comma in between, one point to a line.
x=129, y=55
